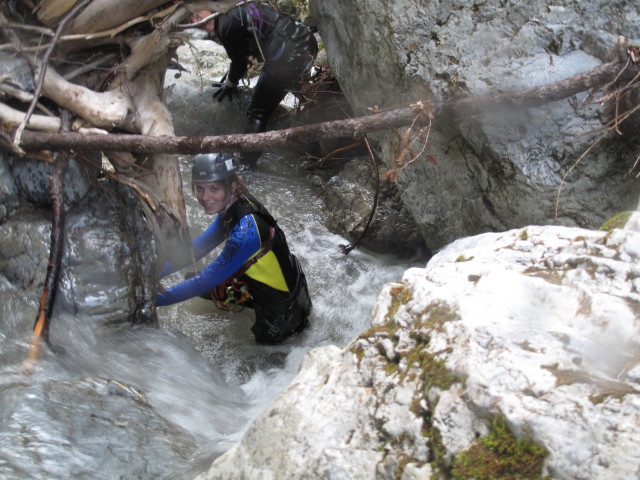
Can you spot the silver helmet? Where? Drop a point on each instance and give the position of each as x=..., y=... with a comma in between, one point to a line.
x=213, y=167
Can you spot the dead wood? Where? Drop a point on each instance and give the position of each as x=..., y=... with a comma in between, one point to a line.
x=128, y=97
x=420, y=113
x=56, y=250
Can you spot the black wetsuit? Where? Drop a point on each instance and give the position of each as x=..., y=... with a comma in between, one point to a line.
x=287, y=48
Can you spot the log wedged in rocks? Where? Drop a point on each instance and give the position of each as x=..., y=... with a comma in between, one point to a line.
x=418, y=113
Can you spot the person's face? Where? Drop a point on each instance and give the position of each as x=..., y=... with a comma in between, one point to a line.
x=201, y=15
x=213, y=196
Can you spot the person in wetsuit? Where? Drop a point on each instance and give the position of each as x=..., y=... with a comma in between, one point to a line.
x=287, y=47
x=255, y=268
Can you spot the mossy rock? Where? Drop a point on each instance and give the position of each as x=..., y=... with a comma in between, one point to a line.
x=500, y=456
x=619, y=220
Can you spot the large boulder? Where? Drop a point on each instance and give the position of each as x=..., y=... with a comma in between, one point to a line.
x=503, y=168
x=349, y=200
x=511, y=355
x=107, y=269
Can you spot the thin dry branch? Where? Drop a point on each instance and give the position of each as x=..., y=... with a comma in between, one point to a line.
x=43, y=68
x=56, y=251
x=347, y=248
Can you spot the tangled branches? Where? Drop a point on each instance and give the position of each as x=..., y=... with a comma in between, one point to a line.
x=404, y=153
x=622, y=97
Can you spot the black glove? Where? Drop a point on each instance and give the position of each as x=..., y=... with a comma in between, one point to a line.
x=225, y=87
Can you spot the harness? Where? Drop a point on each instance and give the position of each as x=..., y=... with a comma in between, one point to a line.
x=232, y=293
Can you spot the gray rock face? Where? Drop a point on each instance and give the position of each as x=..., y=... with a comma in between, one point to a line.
x=536, y=329
x=348, y=198
x=504, y=168
x=17, y=70
x=88, y=416
x=108, y=262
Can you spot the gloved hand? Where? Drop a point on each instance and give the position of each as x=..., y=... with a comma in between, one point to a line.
x=225, y=87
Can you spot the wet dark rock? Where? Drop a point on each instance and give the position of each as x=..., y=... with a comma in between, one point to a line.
x=17, y=71
x=63, y=429
x=107, y=270
x=349, y=199
x=33, y=180
x=9, y=197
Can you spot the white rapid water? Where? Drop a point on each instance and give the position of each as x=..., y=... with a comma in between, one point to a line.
x=201, y=373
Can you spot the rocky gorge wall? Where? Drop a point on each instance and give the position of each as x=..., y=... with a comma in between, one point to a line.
x=502, y=169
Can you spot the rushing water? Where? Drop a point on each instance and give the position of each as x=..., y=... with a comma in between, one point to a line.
x=201, y=371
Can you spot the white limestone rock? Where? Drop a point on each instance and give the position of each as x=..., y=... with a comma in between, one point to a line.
x=538, y=326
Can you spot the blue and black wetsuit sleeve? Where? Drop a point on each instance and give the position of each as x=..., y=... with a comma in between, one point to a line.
x=202, y=244
x=242, y=243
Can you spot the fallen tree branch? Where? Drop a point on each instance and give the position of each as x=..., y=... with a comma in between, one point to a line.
x=43, y=68
x=56, y=250
x=352, y=127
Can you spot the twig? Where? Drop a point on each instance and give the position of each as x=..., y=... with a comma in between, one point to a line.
x=347, y=248
x=614, y=123
x=334, y=152
x=43, y=319
x=89, y=66
x=43, y=69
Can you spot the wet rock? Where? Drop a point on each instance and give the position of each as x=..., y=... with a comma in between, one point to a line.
x=9, y=197
x=349, y=198
x=17, y=71
x=531, y=334
x=33, y=180
x=61, y=429
x=107, y=269
x=502, y=168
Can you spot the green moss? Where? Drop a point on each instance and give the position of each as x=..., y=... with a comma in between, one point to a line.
x=524, y=235
x=500, y=456
x=438, y=313
x=359, y=353
x=619, y=220
x=435, y=373
x=400, y=295
x=437, y=449
x=462, y=258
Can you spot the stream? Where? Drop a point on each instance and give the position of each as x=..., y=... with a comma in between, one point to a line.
x=94, y=409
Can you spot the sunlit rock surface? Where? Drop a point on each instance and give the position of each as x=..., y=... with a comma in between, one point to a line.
x=538, y=328
x=501, y=168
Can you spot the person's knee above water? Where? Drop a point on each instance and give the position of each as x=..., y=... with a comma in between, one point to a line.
x=255, y=268
x=287, y=47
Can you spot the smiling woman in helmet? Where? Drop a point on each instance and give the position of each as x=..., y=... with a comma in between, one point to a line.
x=255, y=268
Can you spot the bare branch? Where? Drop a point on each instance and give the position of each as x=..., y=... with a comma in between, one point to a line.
x=43, y=68
x=352, y=127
